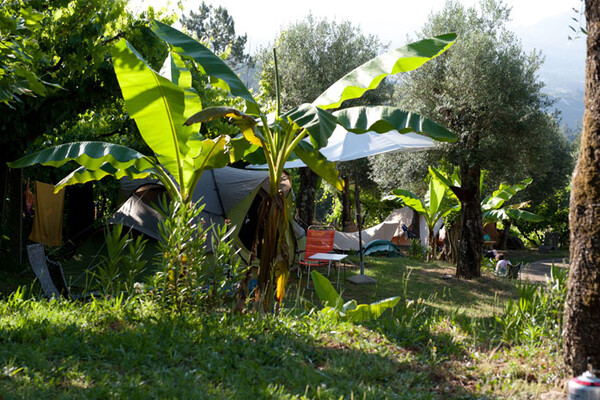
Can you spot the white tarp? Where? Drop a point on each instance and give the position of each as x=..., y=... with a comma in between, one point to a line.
x=346, y=146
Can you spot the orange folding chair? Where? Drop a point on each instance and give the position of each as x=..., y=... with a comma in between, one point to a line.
x=319, y=239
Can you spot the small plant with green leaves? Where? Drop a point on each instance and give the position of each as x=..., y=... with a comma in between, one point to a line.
x=538, y=312
x=416, y=251
x=350, y=311
x=436, y=205
x=188, y=275
x=118, y=270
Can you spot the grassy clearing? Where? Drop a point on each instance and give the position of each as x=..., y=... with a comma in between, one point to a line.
x=441, y=341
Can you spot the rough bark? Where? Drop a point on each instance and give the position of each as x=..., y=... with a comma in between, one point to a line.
x=347, y=221
x=582, y=309
x=471, y=232
x=305, y=205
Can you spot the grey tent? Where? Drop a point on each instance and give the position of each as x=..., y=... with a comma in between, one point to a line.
x=227, y=193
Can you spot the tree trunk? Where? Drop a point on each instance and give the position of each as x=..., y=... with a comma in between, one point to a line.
x=471, y=234
x=503, y=239
x=347, y=222
x=582, y=309
x=305, y=205
x=452, y=235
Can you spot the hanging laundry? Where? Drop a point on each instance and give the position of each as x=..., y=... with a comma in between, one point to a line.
x=48, y=220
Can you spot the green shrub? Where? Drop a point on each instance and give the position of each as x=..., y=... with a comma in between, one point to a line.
x=118, y=270
x=416, y=251
x=188, y=276
x=538, y=312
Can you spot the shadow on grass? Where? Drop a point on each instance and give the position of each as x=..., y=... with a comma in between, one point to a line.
x=72, y=354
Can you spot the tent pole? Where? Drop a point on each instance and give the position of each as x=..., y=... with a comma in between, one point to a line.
x=358, y=219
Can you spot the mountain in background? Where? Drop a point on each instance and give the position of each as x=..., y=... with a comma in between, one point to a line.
x=563, y=70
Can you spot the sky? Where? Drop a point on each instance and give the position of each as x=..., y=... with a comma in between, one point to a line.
x=391, y=20
x=542, y=25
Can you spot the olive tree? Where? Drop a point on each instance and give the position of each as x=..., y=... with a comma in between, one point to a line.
x=487, y=91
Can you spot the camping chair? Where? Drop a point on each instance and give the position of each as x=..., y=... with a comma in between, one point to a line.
x=513, y=270
x=49, y=273
x=319, y=239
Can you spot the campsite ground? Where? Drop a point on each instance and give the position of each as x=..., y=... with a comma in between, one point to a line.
x=442, y=341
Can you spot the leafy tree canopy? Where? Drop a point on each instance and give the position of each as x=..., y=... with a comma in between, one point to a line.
x=214, y=27
x=487, y=90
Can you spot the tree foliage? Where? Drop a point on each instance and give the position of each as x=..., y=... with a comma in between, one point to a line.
x=489, y=86
x=214, y=27
x=488, y=92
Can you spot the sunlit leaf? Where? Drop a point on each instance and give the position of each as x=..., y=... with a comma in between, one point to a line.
x=370, y=74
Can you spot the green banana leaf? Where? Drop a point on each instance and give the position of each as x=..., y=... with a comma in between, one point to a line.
x=503, y=194
x=367, y=312
x=325, y=291
x=157, y=105
x=319, y=123
x=174, y=69
x=350, y=311
x=411, y=200
x=319, y=164
x=524, y=215
x=83, y=175
x=454, y=180
x=207, y=61
x=370, y=74
x=91, y=155
x=437, y=192
x=383, y=119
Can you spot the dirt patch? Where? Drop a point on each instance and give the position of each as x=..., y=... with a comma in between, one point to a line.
x=539, y=271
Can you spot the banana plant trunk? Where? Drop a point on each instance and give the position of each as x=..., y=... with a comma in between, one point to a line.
x=431, y=244
x=272, y=250
x=470, y=247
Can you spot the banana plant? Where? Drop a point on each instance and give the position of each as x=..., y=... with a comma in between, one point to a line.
x=351, y=310
x=494, y=208
x=437, y=204
x=277, y=138
x=159, y=105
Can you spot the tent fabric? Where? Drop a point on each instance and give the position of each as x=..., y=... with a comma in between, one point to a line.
x=226, y=193
x=345, y=146
x=47, y=223
x=379, y=247
x=391, y=227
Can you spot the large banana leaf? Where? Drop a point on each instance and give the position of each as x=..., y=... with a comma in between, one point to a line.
x=350, y=311
x=370, y=74
x=97, y=159
x=524, y=215
x=325, y=291
x=319, y=123
x=91, y=155
x=367, y=312
x=319, y=164
x=437, y=193
x=503, y=194
x=383, y=119
x=157, y=105
x=207, y=61
x=411, y=200
x=83, y=175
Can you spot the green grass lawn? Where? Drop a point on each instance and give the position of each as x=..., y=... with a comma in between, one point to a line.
x=440, y=342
